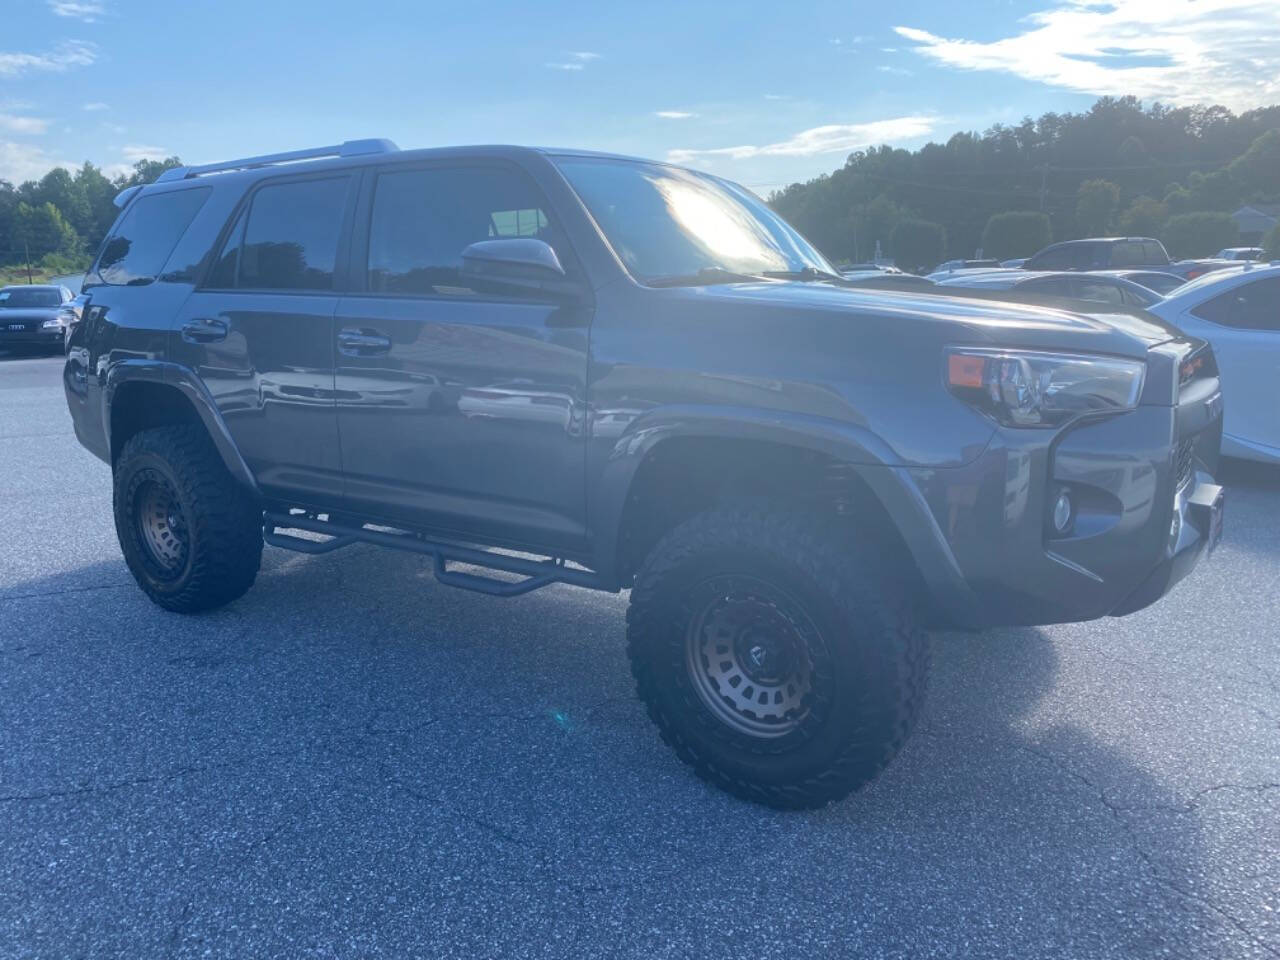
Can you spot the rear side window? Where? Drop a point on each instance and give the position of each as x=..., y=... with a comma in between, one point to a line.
x=288, y=239
x=1251, y=306
x=1093, y=288
x=1047, y=286
x=1154, y=252
x=1129, y=254
x=136, y=252
x=1067, y=257
x=422, y=220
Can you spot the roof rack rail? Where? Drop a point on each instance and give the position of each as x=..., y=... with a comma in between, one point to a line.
x=350, y=148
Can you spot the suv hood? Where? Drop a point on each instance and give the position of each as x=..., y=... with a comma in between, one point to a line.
x=992, y=315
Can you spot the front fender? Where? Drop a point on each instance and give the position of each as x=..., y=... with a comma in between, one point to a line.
x=865, y=453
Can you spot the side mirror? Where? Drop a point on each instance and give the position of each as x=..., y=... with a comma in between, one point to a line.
x=516, y=265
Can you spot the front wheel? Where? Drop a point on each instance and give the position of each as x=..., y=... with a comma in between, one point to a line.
x=775, y=656
x=191, y=535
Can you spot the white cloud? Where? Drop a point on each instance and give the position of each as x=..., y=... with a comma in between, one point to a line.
x=1177, y=51
x=87, y=11
x=674, y=114
x=578, y=59
x=73, y=53
x=23, y=161
x=896, y=71
x=16, y=123
x=95, y=106
x=135, y=152
x=832, y=138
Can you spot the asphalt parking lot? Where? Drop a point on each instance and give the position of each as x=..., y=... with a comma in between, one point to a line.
x=353, y=761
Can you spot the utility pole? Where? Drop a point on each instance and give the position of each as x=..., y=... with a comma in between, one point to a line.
x=1044, y=177
x=26, y=247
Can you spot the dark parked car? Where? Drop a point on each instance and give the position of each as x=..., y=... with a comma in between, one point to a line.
x=1114, y=253
x=632, y=376
x=35, y=315
x=1096, y=287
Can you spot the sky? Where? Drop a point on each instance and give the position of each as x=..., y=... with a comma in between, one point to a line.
x=762, y=93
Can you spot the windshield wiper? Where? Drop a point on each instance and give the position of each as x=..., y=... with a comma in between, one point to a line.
x=707, y=275
x=808, y=273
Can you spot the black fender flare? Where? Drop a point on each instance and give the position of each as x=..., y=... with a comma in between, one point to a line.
x=863, y=451
x=188, y=383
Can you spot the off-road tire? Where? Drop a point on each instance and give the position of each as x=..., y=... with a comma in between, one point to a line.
x=878, y=661
x=221, y=521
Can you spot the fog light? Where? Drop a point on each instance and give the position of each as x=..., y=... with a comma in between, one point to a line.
x=1175, y=528
x=1062, y=511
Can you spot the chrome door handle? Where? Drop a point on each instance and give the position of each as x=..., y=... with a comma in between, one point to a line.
x=205, y=330
x=362, y=342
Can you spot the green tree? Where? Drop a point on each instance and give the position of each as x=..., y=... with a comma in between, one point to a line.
x=1015, y=233
x=1218, y=190
x=41, y=230
x=1144, y=217
x=1271, y=245
x=1257, y=170
x=1096, y=202
x=99, y=193
x=146, y=171
x=1199, y=234
x=917, y=243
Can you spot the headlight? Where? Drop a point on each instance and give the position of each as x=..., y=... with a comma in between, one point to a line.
x=57, y=323
x=1021, y=388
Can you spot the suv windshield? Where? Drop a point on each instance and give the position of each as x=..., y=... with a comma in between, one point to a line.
x=668, y=224
x=37, y=297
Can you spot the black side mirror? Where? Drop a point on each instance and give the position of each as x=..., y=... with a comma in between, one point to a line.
x=516, y=265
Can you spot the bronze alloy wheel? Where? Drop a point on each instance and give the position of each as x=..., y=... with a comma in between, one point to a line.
x=162, y=524
x=750, y=651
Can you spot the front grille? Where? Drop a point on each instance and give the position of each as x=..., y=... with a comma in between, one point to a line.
x=1184, y=463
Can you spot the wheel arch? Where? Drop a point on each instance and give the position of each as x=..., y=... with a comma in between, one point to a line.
x=840, y=467
x=141, y=394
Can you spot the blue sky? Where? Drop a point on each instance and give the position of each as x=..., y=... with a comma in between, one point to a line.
x=764, y=93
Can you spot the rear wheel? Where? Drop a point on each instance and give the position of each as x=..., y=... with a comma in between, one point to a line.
x=774, y=656
x=191, y=536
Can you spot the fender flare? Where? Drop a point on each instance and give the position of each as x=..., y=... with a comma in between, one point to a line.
x=188, y=383
x=863, y=451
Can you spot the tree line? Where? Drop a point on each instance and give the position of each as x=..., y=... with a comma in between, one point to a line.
x=56, y=223
x=1119, y=168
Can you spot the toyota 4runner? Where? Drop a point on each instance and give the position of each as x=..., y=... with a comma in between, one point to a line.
x=540, y=366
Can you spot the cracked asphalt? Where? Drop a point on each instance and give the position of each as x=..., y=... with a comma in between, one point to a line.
x=353, y=761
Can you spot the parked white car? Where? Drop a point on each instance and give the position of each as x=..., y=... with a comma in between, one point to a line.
x=1238, y=311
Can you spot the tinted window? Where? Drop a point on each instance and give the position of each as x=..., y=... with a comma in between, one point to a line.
x=1046, y=286
x=1093, y=288
x=423, y=219
x=1070, y=256
x=1252, y=306
x=290, y=237
x=1128, y=254
x=223, y=274
x=151, y=228
x=1154, y=252
x=18, y=297
x=1161, y=283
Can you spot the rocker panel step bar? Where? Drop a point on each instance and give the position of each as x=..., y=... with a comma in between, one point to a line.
x=537, y=573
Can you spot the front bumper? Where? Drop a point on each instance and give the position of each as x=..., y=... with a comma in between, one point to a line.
x=1143, y=489
x=32, y=338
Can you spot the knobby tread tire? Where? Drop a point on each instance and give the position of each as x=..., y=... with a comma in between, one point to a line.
x=882, y=657
x=225, y=522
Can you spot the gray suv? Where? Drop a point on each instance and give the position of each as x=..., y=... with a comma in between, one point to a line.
x=542, y=367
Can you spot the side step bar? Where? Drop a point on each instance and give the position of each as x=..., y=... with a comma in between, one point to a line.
x=536, y=573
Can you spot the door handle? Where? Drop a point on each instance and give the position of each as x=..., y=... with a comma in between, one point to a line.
x=362, y=342
x=205, y=330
